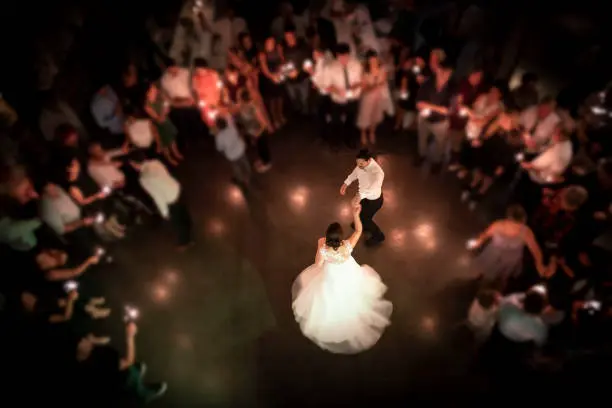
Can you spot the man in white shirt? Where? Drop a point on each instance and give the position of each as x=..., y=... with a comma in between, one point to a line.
x=519, y=318
x=540, y=122
x=550, y=165
x=165, y=191
x=63, y=216
x=370, y=178
x=176, y=84
x=342, y=82
x=103, y=169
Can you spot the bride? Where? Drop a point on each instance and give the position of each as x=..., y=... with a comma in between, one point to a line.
x=338, y=303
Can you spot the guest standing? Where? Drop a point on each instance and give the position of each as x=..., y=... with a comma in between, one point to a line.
x=108, y=114
x=271, y=63
x=254, y=123
x=374, y=99
x=343, y=82
x=229, y=142
x=433, y=104
x=297, y=84
x=175, y=83
x=165, y=191
x=157, y=105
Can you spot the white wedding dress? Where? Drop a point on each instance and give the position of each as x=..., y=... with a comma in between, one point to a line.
x=339, y=304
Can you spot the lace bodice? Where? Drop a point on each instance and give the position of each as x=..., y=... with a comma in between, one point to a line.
x=337, y=256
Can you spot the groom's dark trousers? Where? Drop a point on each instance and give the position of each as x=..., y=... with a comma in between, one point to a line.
x=369, y=208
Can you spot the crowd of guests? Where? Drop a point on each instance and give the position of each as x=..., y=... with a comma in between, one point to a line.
x=514, y=149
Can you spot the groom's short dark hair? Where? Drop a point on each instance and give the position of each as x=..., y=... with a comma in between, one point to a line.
x=364, y=154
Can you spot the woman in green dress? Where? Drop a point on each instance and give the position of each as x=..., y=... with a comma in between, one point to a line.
x=158, y=106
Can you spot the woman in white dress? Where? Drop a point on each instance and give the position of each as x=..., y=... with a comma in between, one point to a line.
x=338, y=303
x=372, y=106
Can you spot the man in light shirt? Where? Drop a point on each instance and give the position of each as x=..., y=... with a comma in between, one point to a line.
x=176, y=84
x=519, y=318
x=103, y=169
x=108, y=114
x=342, y=81
x=550, y=165
x=370, y=178
x=540, y=123
x=63, y=216
x=233, y=147
x=165, y=191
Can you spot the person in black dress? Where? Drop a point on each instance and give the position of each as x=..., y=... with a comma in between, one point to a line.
x=132, y=90
x=271, y=63
x=407, y=87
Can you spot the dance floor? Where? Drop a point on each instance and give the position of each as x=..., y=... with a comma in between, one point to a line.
x=216, y=321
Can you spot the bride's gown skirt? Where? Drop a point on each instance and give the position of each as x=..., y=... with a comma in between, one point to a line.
x=340, y=305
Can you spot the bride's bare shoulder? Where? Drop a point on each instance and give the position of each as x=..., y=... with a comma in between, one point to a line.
x=321, y=242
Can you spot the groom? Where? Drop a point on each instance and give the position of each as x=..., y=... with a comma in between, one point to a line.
x=370, y=177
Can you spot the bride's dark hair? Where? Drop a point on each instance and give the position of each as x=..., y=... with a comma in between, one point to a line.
x=333, y=235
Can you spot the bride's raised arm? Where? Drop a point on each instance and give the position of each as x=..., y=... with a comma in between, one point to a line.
x=358, y=226
x=319, y=256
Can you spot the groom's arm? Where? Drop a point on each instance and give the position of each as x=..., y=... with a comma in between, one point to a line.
x=349, y=180
x=351, y=177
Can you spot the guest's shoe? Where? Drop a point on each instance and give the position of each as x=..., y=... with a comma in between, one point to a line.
x=156, y=391
x=141, y=368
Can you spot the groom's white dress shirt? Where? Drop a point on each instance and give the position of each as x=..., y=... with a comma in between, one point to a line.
x=370, y=180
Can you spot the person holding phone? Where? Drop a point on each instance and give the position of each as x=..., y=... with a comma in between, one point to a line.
x=107, y=375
